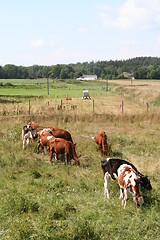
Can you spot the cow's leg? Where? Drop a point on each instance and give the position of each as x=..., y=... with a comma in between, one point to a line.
x=55, y=156
x=66, y=157
x=125, y=197
x=101, y=150
x=38, y=145
x=23, y=143
x=106, y=183
x=51, y=154
x=122, y=195
x=44, y=150
x=26, y=139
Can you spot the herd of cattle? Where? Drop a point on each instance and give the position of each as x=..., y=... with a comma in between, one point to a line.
x=58, y=141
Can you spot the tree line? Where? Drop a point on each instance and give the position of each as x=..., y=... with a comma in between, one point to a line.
x=139, y=68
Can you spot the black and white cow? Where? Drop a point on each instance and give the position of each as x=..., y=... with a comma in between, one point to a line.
x=110, y=169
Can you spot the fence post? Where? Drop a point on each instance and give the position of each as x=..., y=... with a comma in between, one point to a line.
x=93, y=105
x=107, y=84
x=147, y=104
x=122, y=107
x=29, y=110
x=61, y=104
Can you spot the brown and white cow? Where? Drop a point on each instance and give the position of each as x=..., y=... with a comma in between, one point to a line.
x=62, y=146
x=43, y=137
x=128, y=178
x=101, y=140
x=31, y=130
x=110, y=168
x=26, y=134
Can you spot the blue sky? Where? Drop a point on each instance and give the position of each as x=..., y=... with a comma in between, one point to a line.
x=49, y=32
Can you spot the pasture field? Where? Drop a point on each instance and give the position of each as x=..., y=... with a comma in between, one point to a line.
x=43, y=201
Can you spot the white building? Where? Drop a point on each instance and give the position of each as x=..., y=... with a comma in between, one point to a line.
x=88, y=77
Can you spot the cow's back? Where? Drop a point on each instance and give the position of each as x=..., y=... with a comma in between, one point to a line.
x=60, y=133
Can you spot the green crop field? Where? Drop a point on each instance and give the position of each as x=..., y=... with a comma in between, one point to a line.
x=43, y=201
x=57, y=88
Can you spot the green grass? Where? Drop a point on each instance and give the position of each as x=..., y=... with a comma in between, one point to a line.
x=43, y=201
x=40, y=201
x=57, y=88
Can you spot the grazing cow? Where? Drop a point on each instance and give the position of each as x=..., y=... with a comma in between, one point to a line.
x=128, y=178
x=62, y=146
x=43, y=137
x=110, y=169
x=101, y=140
x=33, y=124
x=60, y=133
x=26, y=134
x=32, y=130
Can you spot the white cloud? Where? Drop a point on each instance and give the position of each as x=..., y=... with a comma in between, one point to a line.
x=37, y=43
x=133, y=14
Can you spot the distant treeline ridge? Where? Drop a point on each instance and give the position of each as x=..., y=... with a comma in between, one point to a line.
x=139, y=68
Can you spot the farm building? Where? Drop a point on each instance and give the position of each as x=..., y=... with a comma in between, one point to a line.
x=88, y=77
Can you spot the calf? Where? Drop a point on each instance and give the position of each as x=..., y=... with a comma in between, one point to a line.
x=26, y=134
x=101, y=140
x=62, y=146
x=128, y=178
x=31, y=132
x=110, y=169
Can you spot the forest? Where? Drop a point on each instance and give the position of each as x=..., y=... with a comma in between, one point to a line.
x=139, y=68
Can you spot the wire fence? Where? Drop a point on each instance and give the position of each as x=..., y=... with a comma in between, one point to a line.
x=112, y=106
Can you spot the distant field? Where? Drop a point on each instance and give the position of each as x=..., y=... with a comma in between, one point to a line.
x=57, y=88
x=43, y=201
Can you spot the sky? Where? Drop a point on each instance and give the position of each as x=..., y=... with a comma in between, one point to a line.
x=50, y=32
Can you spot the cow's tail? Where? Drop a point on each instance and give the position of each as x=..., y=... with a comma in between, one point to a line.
x=104, y=144
x=74, y=154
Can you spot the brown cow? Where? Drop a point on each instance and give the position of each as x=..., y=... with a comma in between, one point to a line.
x=57, y=132
x=101, y=140
x=62, y=146
x=31, y=131
x=33, y=124
x=60, y=133
x=43, y=137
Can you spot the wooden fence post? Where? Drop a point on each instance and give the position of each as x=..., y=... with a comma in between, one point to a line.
x=61, y=104
x=147, y=104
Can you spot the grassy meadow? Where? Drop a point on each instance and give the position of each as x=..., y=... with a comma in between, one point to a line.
x=43, y=201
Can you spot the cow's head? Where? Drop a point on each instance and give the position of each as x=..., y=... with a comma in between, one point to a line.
x=104, y=164
x=145, y=182
x=34, y=133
